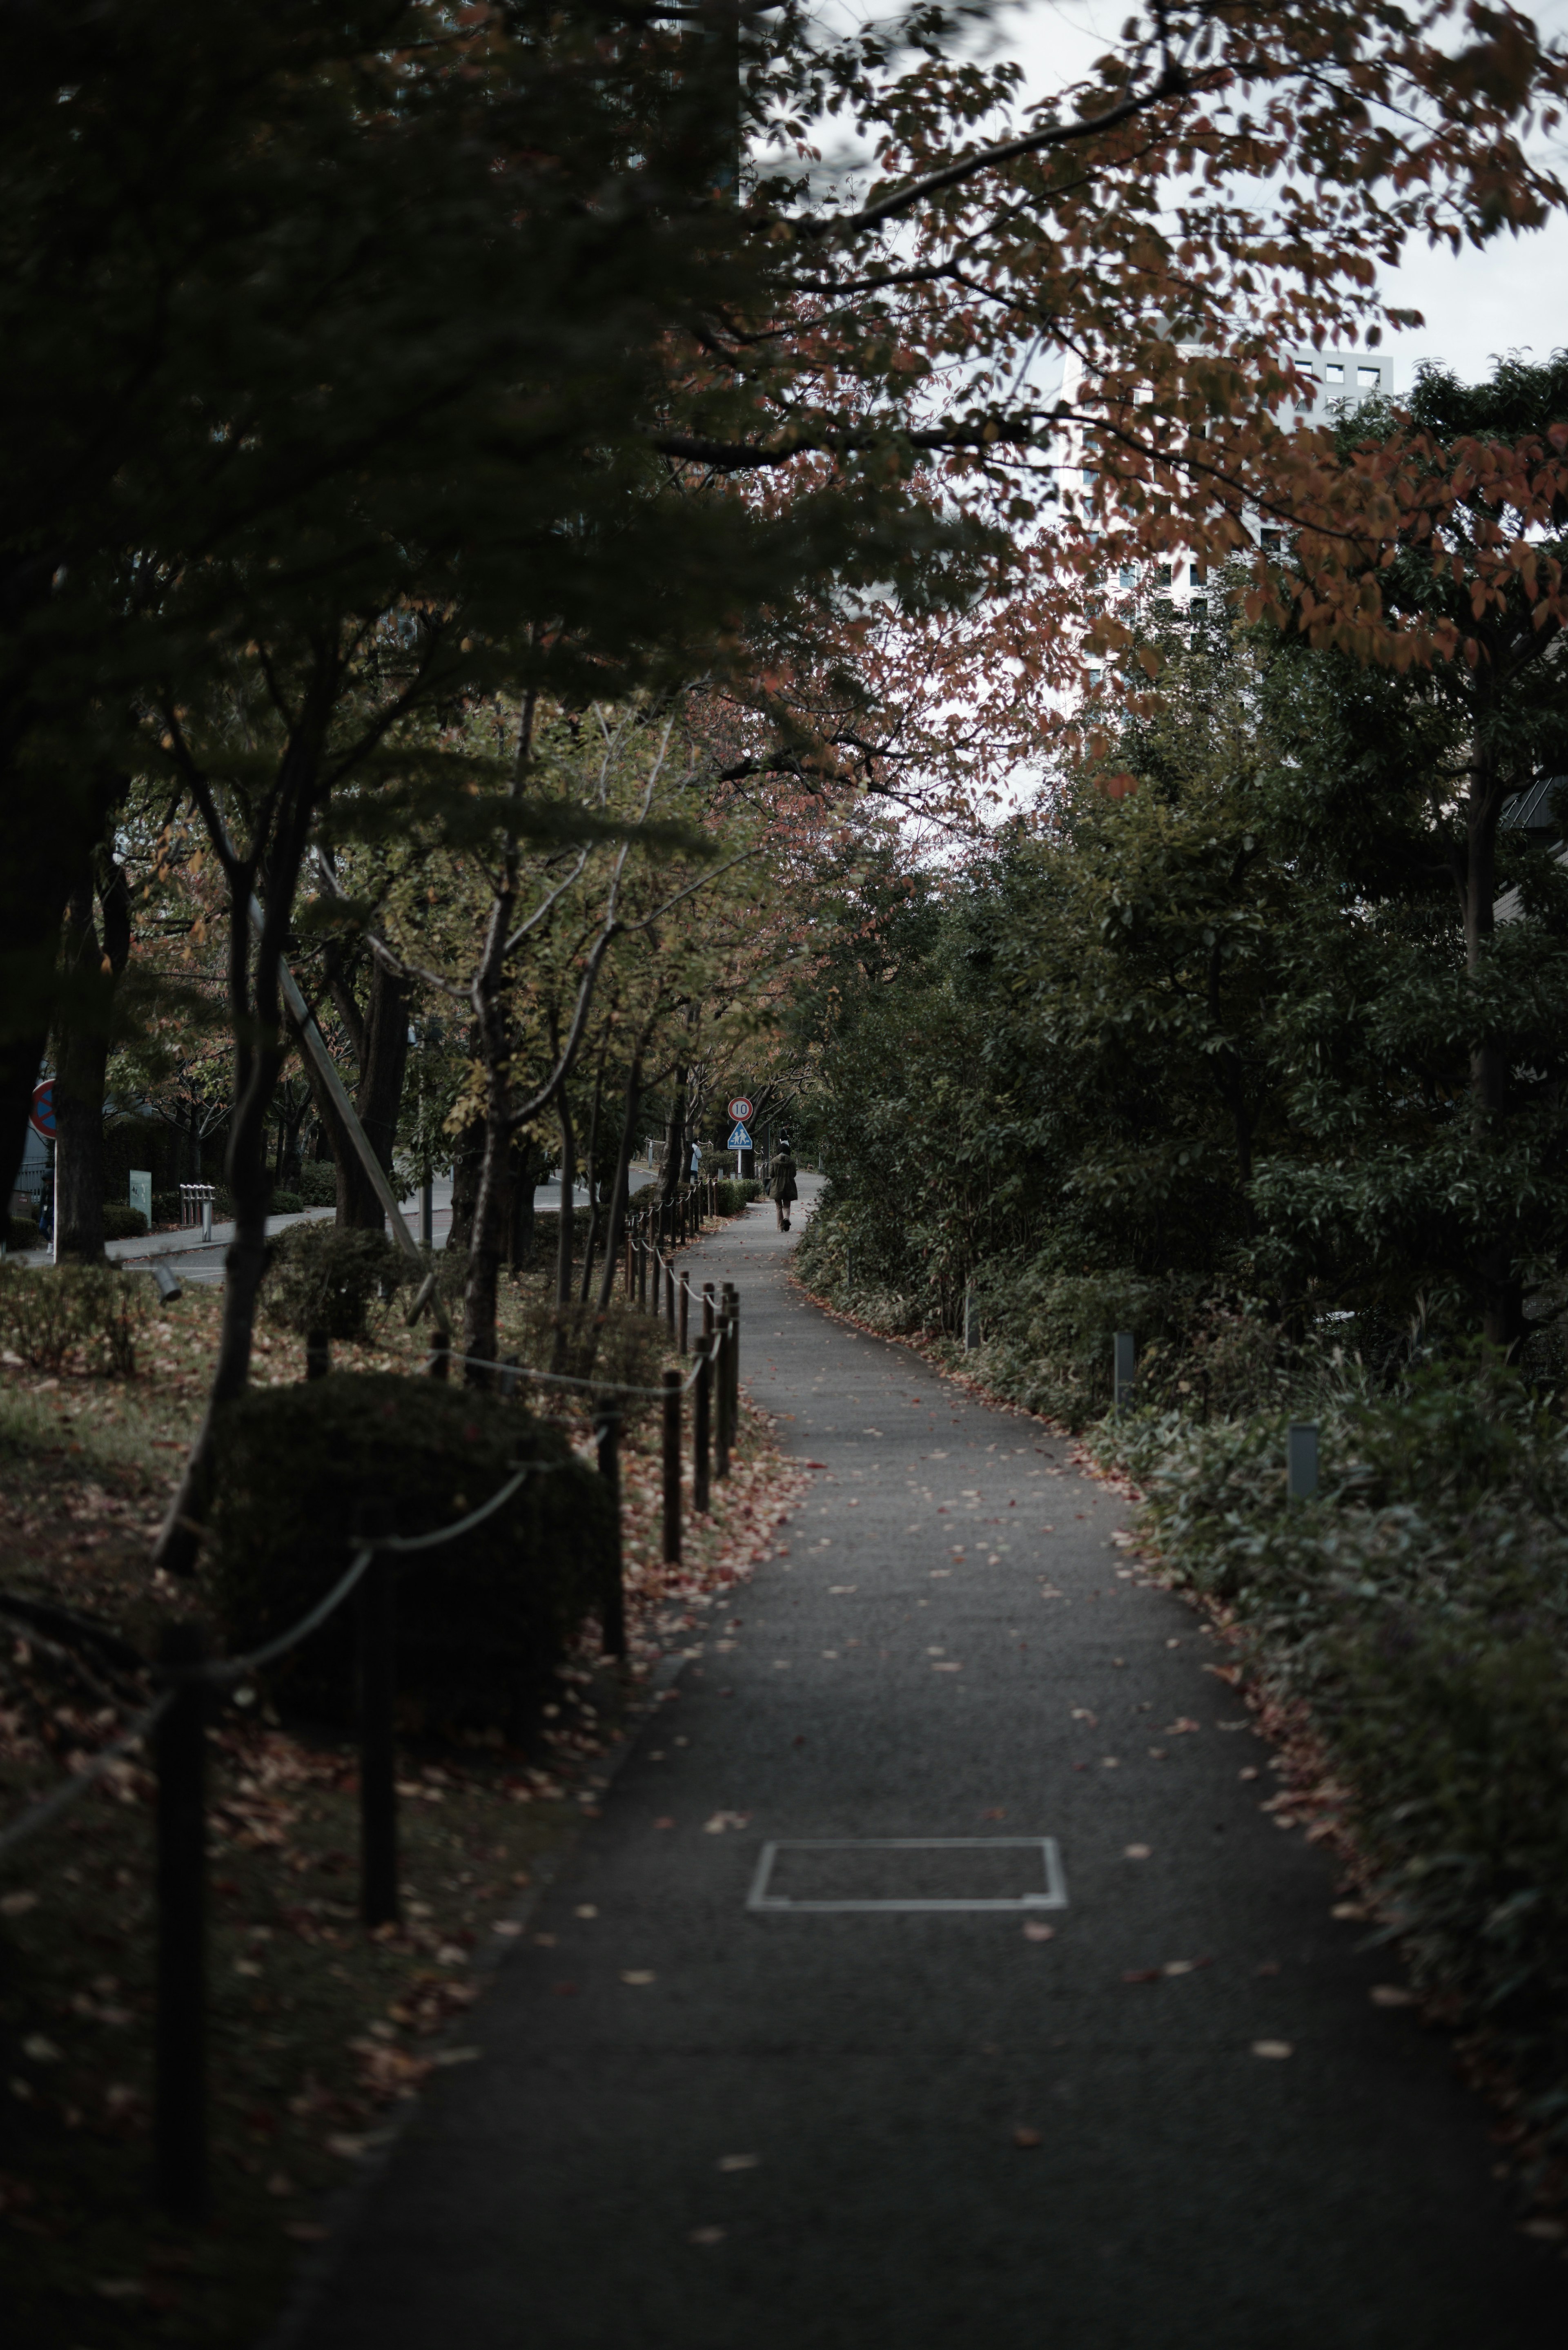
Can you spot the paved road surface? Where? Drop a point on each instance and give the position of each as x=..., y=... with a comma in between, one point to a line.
x=803, y=2133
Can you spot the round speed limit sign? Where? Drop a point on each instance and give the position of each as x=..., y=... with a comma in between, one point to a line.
x=740, y=1106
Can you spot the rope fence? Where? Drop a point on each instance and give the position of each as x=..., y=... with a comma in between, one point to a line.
x=190, y=1681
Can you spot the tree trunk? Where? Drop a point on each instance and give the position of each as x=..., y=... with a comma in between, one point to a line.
x=525, y=1169
x=569, y=1188
x=632, y=1107
x=467, y=1164
x=54, y=828
x=91, y=973
x=382, y=1046
x=1502, y=1290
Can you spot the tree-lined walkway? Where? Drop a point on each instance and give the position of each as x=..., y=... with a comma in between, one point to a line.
x=697, y=2128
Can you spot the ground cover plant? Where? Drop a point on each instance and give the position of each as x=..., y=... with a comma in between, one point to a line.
x=320, y=2032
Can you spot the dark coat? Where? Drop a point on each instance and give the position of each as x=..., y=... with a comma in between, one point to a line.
x=783, y=1186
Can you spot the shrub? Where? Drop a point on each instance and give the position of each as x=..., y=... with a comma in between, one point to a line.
x=122, y=1224
x=1419, y=1605
x=621, y=1346
x=22, y=1233
x=285, y=1203
x=318, y=1185
x=91, y=1313
x=480, y=1623
x=732, y=1197
x=321, y=1281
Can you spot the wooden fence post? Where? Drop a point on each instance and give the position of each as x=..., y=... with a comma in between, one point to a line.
x=378, y=1904
x=180, y=1759
x=732, y=1367
x=670, y=1382
x=685, y=1312
x=614, y=1620
x=702, y=1423
x=722, y=1395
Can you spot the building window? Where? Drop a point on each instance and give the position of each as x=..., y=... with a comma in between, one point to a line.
x=1199, y=607
x=1126, y=576
x=1198, y=574
x=1271, y=541
x=1334, y=372
x=1165, y=574
x=1369, y=377
x=1096, y=675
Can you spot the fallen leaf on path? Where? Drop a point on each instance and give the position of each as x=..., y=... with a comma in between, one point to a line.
x=1140, y=1974
x=1138, y=1852
x=740, y=2161
x=997, y=1813
x=1025, y=2138
x=1035, y=1933
x=1273, y=2048
x=1182, y=1727
x=706, y=2236
x=664, y=1824
x=1082, y=1713
x=585, y=1909
x=1352, y=1909
x=506, y=1927
x=722, y=1820
x=638, y=1975
x=40, y=2049
x=1545, y=2231
x=16, y=1905
x=1392, y=1995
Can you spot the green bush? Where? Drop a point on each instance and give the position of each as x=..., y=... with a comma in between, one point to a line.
x=285, y=1203
x=731, y=1197
x=65, y=1314
x=318, y=1185
x=322, y=1280
x=622, y=1346
x=22, y=1233
x=480, y=1623
x=1419, y=1606
x=122, y=1224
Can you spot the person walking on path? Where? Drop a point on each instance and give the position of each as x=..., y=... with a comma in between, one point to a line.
x=783, y=1189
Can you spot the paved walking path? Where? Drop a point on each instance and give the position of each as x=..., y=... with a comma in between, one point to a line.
x=701, y=2128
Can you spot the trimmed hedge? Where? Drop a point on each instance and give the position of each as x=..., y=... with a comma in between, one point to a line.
x=22, y=1233
x=56, y=1315
x=317, y=1184
x=125, y=1224
x=322, y=1280
x=480, y=1623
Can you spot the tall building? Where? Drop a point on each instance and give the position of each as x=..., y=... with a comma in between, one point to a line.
x=1342, y=382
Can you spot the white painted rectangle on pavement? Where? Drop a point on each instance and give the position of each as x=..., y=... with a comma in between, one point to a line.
x=870, y=1874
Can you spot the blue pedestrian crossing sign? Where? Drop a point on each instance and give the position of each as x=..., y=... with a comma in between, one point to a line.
x=739, y=1140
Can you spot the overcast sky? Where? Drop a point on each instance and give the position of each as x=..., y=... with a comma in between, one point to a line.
x=1511, y=294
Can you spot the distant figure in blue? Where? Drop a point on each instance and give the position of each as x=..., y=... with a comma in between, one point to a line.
x=696, y=1160
x=783, y=1187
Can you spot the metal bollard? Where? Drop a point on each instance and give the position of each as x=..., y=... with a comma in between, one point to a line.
x=685, y=1313
x=377, y=1758
x=1124, y=1367
x=670, y=1382
x=207, y=1217
x=721, y=1396
x=1301, y=1460
x=180, y=1759
x=702, y=1424
x=670, y=1295
x=613, y=1641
